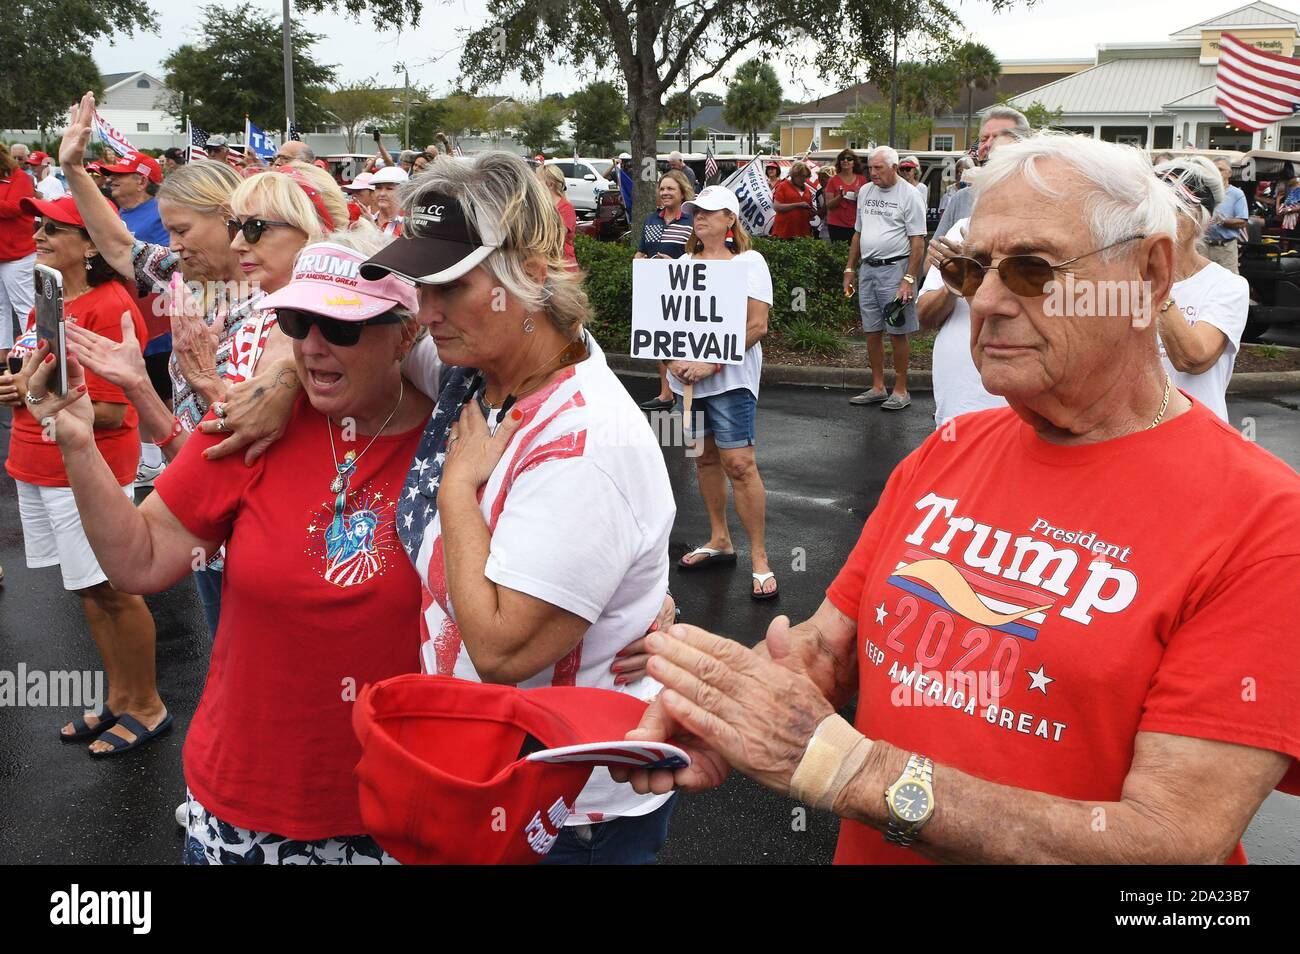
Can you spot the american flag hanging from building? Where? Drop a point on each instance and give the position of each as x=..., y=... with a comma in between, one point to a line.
x=1254, y=88
x=710, y=167
x=198, y=144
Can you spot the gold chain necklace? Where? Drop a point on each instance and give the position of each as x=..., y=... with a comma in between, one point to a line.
x=1164, y=404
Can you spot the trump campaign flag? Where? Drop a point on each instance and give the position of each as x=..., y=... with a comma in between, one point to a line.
x=1254, y=88
x=259, y=141
x=111, y=137
x=755, y=196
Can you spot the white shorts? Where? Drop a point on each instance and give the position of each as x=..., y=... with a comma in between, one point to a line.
x=52, y=533
x=17, y=292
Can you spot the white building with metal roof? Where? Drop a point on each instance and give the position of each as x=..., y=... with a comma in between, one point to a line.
x=1160, y=95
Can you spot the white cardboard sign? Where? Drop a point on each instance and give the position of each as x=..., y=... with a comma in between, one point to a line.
x=689, y=310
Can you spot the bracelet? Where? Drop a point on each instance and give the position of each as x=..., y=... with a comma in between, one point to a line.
x=836, y=752
x=177, y=429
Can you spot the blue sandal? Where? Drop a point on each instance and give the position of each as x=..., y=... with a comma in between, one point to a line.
x=142, y=735
x=82, y=731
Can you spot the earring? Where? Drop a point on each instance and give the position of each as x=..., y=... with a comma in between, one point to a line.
x=528, y=325
x=88, y=265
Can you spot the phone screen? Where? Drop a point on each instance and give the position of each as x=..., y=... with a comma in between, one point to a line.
x=49, y=323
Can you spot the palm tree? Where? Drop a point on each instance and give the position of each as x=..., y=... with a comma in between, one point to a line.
x=753, y=99
x=680, y=108
x=975, y=66
x=927, y=89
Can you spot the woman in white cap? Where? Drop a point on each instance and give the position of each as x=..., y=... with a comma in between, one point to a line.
x=1199, y=327
x=362, y=191
x=319, y=598
x=385, y=183
x=725, y=400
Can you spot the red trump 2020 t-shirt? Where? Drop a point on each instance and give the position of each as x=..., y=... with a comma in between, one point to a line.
x=1025, y=609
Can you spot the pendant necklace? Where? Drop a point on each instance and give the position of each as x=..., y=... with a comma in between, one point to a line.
x=345, y=469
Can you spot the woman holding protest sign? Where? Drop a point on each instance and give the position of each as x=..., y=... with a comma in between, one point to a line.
x=725, y=399
x=663, y=235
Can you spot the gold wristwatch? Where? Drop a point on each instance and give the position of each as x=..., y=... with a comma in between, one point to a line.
x=910, y=279
x=910, y=801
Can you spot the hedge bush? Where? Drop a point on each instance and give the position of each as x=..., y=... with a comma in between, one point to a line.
x=807, y=287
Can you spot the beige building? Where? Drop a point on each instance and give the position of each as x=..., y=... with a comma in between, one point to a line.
x=1157, y=95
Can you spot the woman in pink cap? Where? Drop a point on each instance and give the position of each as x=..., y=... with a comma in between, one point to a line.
x=313, y=563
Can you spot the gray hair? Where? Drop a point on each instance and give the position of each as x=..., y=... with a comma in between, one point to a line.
x=1196, y=174
x=1121, y=196
x=498, y=190
x=1021, y=127
x=889, y=153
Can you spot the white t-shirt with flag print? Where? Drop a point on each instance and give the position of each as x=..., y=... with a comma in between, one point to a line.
x=579, y=509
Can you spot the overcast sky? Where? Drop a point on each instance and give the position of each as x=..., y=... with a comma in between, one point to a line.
x=1047, y=29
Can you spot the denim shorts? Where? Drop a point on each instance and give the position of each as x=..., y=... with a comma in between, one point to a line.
x=728, y=416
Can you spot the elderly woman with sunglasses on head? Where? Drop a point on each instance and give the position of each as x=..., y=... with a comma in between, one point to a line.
x=319, y=598
x=1199, y=326
x=53, y=533
x=533, y=436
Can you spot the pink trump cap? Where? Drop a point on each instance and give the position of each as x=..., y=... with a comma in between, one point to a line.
x=327, y=281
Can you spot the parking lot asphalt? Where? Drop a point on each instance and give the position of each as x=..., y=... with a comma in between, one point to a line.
x=824, y=463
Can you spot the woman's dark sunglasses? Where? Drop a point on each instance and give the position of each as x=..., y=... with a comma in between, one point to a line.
x=50, y=227
x=297, y=324
x=253, y=229
x=1025, y=275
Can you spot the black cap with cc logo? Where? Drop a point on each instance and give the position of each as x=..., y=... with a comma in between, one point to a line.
x=438, y=243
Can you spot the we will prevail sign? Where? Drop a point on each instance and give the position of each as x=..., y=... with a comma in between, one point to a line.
x=689, y=310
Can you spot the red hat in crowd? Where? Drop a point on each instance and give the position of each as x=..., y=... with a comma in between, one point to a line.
x=63, y=209
x=459, y=772
x=38, y=158
x=146, y=166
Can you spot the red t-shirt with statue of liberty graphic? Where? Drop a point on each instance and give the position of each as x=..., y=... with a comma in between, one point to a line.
x=1025, y=609
x=318, y=599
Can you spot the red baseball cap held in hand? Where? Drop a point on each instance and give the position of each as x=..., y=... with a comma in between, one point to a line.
x=459, y=772
x=146, y=166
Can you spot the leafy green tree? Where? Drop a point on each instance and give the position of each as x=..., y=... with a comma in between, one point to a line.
x=358, y=104
x=662, y=45
x=753, y=98
x=1038, y=115
x=599, y=116
x=539, y=125
x=463, y=114
x=46, y=49
x=975, y=67
x=230, y=75
x=869, y=123
x=706, y=98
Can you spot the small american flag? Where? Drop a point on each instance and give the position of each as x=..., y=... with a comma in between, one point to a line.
x=292, y=134
x=710, y=167
x=198, y=142
x=1254, y=88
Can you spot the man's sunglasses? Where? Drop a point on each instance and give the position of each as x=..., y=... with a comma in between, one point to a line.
x=1025, y=275
x=253, y=229
x=297, y=324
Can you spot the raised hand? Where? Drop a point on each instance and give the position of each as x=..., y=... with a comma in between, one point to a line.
x=119, y=362
x=72, y=150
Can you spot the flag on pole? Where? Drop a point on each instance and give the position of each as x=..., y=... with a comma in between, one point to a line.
x=710, y=167
x=1254, y=88
x=111, y=137
x=259, y=141
x=198, y=142
x=292, y=134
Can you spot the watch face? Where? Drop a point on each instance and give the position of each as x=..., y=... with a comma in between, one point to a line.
x=911, y=802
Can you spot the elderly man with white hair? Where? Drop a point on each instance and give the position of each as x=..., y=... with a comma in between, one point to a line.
x=1061, y=649
x=1002, y=124
x=884, y=260
x=675, y=161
